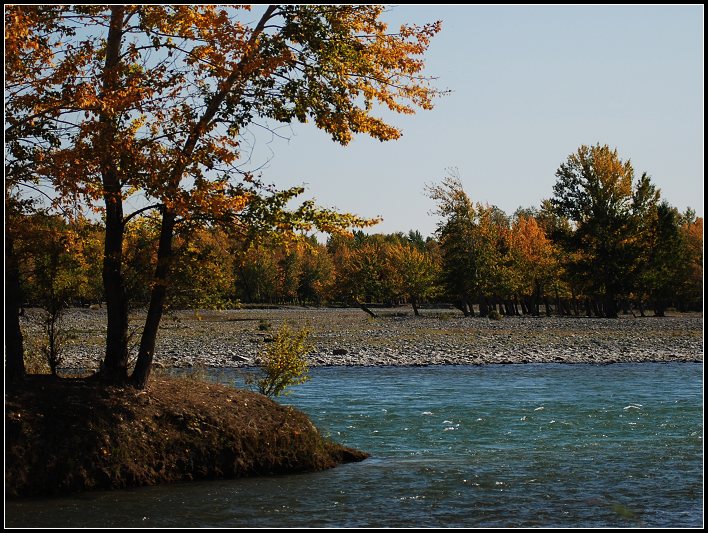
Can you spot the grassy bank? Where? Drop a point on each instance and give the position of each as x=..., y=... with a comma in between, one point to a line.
x=67, y=435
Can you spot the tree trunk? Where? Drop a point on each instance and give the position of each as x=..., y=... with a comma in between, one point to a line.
x=659, y=309
x=367, y=310
x=14, y=352
x=588, y=307
x=468, y=308
x=524, y=305
x=610, y=306
x=483, y=307
x=509, y=308
x=234, y=86
x=547, y=305
x=143, y=365
x=533, y=305
x=115, y=364
x=414, y=303
x=597, y=308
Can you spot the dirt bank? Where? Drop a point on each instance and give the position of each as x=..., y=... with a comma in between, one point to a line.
x=73, y=434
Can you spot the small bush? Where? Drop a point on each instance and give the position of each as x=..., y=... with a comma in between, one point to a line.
x=264, y=325
x=283, y=362
x=35, y=360
x=494, y=315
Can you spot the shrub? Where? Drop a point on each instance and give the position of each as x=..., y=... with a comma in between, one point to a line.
x=494, y=315
x=35, y=360
x=283, y=363
x=263, y=325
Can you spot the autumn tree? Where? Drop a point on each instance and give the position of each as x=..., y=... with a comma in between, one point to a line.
x=257, y=274
x=203, y=271
x=28, y=131
x=154, y=99
x=690, y=292
x=491, y=251
x=317, y=280
x=534, y=259
x=58, y=269
x=599, y=194
x=473, y=246
x=455, y=232
x=669, y=267
x=365, y=273
x=417, y=273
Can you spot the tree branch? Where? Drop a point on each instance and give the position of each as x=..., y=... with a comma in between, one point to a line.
x=142, y=210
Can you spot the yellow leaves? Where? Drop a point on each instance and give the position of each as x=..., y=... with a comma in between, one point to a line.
x=283, y=362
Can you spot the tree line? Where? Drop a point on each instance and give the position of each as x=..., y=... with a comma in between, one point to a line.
x=604, y=243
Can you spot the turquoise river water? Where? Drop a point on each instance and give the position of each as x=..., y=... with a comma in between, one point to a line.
x=500, y=445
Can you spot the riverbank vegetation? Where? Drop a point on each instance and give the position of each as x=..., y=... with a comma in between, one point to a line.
x=532, y=262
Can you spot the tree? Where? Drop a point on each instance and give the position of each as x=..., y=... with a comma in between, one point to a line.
x=158, y=96
x=533, y=257
x=599, y=194
x=417, y=272
x=455, y=233
x=318, y=274
x=364, y=270
x=690, y=292
x=203, y=272
x=257, y=276
x=58, y=269
x=473, y=243
x=27, y=131
x=491, y=250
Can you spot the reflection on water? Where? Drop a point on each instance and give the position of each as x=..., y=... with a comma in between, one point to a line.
x=518, y=445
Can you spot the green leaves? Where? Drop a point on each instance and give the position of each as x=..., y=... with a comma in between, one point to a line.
x=597, y=191
x=283, y=362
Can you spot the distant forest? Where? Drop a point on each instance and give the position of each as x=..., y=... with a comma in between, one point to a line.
x=603, y=244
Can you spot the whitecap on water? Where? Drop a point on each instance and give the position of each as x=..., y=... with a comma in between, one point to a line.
x=447, y=421
x=426, y=413
x=633, y=406
x=539, y=408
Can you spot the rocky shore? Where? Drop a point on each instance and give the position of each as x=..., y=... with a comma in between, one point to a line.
x=233, y=338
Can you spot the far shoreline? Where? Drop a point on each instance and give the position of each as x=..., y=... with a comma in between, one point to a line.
x=349, y=337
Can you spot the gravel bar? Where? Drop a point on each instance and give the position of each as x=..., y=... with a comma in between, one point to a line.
x=233, y=338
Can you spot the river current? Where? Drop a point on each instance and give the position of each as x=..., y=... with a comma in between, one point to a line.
x=465, y=446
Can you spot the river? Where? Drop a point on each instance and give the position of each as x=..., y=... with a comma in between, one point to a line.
x=465, y=446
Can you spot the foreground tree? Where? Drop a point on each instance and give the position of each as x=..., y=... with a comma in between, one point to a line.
x=599, y=194
x=158, y=101
x=27, y=132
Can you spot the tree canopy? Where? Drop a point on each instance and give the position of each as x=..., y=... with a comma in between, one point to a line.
x=107, y=104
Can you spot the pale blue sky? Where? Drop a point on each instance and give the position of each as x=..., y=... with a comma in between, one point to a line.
x=530, y=85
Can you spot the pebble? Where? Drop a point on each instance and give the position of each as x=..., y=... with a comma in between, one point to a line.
x=348, y=337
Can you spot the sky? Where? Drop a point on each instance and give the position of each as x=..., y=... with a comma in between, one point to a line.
x=529, y=85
